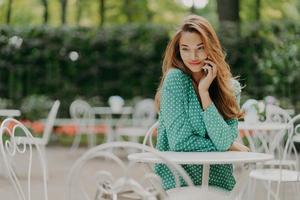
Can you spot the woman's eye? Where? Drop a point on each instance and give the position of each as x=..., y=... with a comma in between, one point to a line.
x=184, y=49
x=200, y=48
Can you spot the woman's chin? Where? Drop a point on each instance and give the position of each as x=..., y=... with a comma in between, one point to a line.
x=195, y=70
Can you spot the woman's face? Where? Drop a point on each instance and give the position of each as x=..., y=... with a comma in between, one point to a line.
x=192, y=51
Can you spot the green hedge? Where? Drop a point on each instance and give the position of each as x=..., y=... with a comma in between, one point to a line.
x=126, y=60
x=269, y=62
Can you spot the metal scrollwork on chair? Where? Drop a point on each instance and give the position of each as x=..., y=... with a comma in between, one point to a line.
x=115, y=176
x=14, y=145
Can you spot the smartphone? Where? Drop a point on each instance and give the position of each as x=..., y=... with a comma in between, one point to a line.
x=206, y=70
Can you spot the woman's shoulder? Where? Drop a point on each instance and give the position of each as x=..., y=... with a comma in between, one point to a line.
x=175, y=74
x=236, y=86
x=176, y=79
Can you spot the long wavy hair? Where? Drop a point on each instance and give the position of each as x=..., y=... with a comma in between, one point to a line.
x=221, y=89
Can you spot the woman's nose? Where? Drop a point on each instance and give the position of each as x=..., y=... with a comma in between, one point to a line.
x=194, y=55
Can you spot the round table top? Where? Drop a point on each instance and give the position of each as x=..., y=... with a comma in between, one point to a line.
x=105, y=110
x=228, y=157
x=10, y=113
x=263, y=126
x=296, y=138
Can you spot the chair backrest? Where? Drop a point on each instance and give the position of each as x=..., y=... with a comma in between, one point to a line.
x=116, y=103
x=144, y=113
x=11, y=149
x=115, y=175
x=50, y=121
x=276, y=114
x=83, y=115
x=293, y=129
x=148, y=137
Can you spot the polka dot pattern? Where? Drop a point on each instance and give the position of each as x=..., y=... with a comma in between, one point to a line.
x=185, y=126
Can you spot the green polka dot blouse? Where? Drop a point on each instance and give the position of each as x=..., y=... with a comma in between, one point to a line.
x=184, y=126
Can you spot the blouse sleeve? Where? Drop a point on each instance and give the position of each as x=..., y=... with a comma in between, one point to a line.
x=180, y=135
x=222, y=132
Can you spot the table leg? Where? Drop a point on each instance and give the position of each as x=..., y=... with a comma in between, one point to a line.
x=205, y=175
x=111, y=135
x=241, y=181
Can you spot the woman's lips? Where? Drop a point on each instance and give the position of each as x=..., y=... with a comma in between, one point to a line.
x=194, y=63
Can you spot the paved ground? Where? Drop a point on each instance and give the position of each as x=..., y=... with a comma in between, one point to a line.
x=60, y=160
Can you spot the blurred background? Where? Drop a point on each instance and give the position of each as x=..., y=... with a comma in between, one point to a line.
x=92, y=49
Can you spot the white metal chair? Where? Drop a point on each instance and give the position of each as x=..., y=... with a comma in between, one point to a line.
x=272, y=142
x=83, y=116
x=11, y=149
x=116, y=103
x=276, y=139
x=277, y=114
x=251, y=111
x=44, y=140
x=148, y=139
x=102, y=182
x=143, y=117
x=279, y=174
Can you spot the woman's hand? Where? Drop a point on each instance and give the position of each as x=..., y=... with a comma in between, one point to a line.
x=211, y=69
x=238, y=147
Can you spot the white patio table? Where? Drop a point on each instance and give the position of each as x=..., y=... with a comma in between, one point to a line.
x=262, y=126
x=264, y=132
x=112, y=117
x=206, y=159
x=10, y=113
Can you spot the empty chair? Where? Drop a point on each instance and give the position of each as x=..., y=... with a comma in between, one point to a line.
x=11, y=150
x=251, y=112
x=102, y=174
x=44, y=140
x=116, y=103
x=143, y=117
x=280, y=175
x=83, y=116
x=276, y=114
x=148, y=139
x=276, y=139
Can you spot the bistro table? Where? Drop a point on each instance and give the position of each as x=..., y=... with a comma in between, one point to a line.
x=266, y=132
x=262, y=126
x=10, y=113
x=206, y=159
x=112, y=118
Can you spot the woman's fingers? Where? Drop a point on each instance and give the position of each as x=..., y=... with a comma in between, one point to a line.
x=210, y=71
x=210, y=62
x=243, y=147
x=213, y=66
x=238, y=147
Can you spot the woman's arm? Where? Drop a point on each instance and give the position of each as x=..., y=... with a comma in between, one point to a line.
x=238, y=147
x=221, y=132
x=180, y=135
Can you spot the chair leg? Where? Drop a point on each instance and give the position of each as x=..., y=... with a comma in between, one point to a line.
x=249, y=189
x=253, y=186
x=91, y=139
x=76, y=142
x=44, y=160
x=134, y=139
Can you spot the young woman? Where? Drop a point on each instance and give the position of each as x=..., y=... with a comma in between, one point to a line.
x=198, y=102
